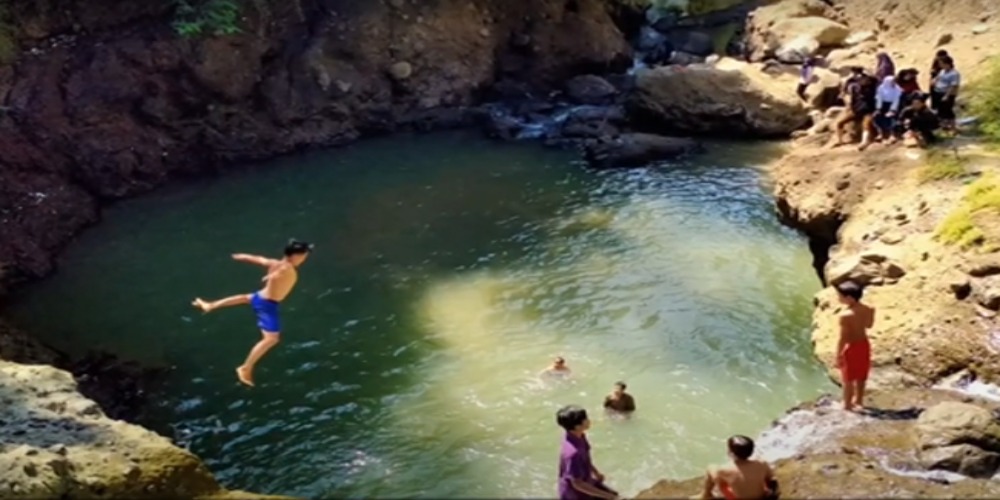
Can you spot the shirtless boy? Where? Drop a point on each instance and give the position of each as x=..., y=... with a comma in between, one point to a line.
x=619, y=401
x=558, y=368
x=854, y=357
x=278, y=283
x=743, y=479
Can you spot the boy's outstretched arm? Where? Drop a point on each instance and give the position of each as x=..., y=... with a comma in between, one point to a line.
x=253, y=259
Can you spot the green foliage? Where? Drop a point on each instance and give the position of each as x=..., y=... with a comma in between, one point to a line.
x=207, y=17
x=985, y=102
x=982, y=198
x=943, y=164
x=8, y=38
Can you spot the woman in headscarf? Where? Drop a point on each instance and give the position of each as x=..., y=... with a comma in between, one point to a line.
x=884, y=66
x=886, y=106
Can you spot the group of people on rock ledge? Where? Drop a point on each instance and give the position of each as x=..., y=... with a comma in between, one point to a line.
x=889, y=106
x=743, y=478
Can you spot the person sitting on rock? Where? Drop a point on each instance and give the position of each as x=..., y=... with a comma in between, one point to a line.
x=908, y=83
x=886, y=107
x=854, y=356
x=619, y=401
x=743, y=478
x=919, y=123
x=859, y=91
x=884, y=66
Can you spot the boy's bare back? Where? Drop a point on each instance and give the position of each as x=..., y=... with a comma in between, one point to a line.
x=747, y=480
x=855, y=322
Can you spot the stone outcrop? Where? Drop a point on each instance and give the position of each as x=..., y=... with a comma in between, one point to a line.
x=729, y=98
x=55, y=443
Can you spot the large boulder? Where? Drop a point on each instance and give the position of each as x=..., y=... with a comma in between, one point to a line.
x=952, y=423
x=771, y=26
x=631, y=150
x=964, y=459
x=59, y=444
x=730, y=98
x=590, y=89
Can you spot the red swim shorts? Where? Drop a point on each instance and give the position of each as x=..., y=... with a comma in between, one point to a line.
x=857, y=362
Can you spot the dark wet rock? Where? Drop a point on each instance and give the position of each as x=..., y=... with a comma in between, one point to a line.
x=680, y=58
x=984, y=266
x=590, y=89
x=692, y=41
x=649, y=39
x=635, y=149
x=501, y=126
x=964, y=459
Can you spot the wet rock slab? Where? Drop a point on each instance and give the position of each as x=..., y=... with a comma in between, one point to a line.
x=820, y=451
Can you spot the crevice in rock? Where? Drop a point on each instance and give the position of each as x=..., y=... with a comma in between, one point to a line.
x=821, y=232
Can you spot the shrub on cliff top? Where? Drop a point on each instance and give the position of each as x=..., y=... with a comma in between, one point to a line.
x=8, y=40
x=985, y=101
x=201, y=17
x=967, y=226
x=942, y=164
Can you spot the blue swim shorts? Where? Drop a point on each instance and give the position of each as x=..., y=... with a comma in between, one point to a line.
x=267, y=313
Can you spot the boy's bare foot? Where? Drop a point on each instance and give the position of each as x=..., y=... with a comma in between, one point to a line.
x=201, y=304
x=245, y=375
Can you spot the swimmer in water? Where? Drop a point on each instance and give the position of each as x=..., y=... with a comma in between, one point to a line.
x=278, y=283
x=620, y=401
x=743, y=478
x=558, y=368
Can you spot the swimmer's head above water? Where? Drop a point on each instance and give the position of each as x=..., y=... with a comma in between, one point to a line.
x=620, y=387
x=850, y=292
x=559, y=363
x=297, y=251
x=573, y=418
x=740, y=447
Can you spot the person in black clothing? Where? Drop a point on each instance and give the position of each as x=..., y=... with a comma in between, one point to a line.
x=859, y=89
x=936, y=65
x=919, y=122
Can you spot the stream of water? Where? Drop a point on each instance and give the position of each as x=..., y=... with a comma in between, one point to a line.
x=448, y=271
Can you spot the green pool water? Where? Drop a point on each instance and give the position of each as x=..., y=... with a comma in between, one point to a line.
x=448, y=271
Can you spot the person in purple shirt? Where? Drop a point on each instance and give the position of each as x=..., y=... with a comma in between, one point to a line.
x=578, y=478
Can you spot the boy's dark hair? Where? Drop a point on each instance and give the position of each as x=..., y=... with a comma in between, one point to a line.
x=740, y=446
x=857, y=70
x=621, y=384
x=570, y=417
x=851, y=289
x=947, y=61
x=296, y=247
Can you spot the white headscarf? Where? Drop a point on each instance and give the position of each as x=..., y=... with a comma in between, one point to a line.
x=889, y=92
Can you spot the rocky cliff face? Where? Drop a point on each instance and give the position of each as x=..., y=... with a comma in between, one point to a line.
x=105, y=100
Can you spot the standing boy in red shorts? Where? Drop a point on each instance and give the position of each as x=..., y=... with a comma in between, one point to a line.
x=854, y=356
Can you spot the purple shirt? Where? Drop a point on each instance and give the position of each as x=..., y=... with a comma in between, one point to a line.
x=574, y=463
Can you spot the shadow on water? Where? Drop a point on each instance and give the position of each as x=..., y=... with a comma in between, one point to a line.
x=448, y=270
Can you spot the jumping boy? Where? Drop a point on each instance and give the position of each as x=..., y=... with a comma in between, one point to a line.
x=278, y=283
